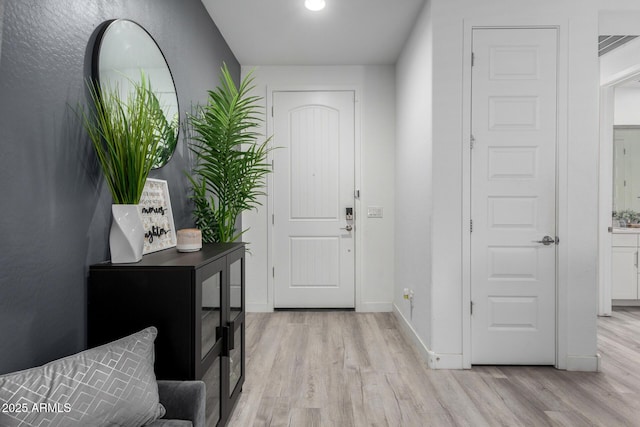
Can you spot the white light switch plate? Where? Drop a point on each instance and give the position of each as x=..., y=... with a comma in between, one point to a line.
x=374, y=211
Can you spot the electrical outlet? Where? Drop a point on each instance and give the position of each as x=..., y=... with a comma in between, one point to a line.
x=407, y=293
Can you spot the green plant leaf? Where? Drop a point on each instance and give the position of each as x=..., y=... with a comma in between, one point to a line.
x=231, y=166
x=125, y=133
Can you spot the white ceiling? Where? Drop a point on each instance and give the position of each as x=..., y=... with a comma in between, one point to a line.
x=283, y=32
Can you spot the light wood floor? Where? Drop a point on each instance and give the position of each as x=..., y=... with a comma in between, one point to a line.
x=356, y=369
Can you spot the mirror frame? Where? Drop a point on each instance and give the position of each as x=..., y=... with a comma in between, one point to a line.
x=95, y=72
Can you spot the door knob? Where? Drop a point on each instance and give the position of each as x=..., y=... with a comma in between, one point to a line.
x=547, y=240
x=349, y=227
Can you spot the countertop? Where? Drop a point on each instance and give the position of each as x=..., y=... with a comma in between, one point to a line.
x=620, y=230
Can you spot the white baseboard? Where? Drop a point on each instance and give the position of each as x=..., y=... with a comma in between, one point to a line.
x=432, y=359
x=366, y=307
x=446, y=361
x=410, y=333
x=375, y=307
x=254, y=307
x=583, y=363
x=625, y=302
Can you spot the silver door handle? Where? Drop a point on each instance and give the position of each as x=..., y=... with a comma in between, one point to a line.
x=349, y=227
x=547, y=240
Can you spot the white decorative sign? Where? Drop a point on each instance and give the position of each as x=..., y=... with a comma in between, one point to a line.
x=157, y=217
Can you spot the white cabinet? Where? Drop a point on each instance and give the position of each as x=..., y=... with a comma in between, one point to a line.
x=624, y=267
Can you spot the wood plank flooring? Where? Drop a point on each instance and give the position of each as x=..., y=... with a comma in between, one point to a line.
x=345, y=369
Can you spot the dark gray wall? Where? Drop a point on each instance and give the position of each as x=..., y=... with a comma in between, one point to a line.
x=55, y=207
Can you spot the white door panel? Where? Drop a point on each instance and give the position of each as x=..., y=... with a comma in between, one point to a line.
x=314, y=256
x=513, y=196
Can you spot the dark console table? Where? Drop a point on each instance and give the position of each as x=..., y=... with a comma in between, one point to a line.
x=195, y=300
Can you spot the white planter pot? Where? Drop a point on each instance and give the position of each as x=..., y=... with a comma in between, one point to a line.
x=126, y=238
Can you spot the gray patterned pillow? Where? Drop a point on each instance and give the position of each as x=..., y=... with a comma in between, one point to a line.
x=110, y=385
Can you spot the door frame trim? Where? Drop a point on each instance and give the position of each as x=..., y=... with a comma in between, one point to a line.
x=358, y=222
x=562, y=212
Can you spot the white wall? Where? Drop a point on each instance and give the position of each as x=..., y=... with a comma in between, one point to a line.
x=627, y=105
x=446, y=28
x=619, y=18
x=414, y=183
x=375, y=107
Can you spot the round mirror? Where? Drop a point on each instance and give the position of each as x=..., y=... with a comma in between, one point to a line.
x=123, y=51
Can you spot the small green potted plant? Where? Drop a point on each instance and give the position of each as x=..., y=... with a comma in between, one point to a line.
x=125, y=132
x=627, y=216
x=231, y=165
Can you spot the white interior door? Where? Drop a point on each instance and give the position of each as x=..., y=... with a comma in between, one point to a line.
x=313, y=240
x=513, y=196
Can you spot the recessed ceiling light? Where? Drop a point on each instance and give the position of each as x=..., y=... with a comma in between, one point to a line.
x=314, y=5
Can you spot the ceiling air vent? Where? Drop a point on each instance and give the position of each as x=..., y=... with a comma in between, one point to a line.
x=608, y=43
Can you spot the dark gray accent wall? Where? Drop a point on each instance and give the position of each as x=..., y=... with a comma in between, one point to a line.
x=55, y=209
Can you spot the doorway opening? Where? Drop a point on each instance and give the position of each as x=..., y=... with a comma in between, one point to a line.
x=619, y=192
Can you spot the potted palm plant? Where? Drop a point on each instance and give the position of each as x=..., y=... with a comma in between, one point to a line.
x=231, y=165
x=124, y=131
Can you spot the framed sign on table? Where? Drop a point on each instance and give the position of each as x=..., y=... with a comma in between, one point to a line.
x=157, y=216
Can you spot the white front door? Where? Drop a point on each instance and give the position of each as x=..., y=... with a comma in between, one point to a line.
x=513, y=196
x=313, y=240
